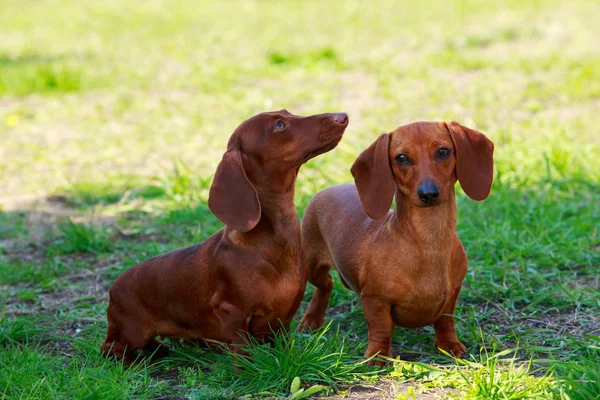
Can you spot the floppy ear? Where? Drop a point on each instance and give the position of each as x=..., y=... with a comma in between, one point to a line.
x=373, y=178
x=474, y=160
x=232, y=197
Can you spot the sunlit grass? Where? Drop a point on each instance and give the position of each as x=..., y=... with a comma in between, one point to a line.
x=492, y=376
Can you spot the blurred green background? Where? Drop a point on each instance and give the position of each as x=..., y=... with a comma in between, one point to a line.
x=91, y=89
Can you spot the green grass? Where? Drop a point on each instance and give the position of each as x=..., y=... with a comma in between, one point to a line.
x=80, y=238
x=490, y=377
x=29, y=373
x=579, y=380
x=13, y=273
x=269, y=369
x=16, y=331
x=11, y=225
x=19, y=78
x=114, y=116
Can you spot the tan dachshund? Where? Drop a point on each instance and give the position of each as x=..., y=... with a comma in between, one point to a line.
x=406, y=264
x=247, y=278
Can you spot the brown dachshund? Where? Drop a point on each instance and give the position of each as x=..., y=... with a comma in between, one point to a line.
x=406, y=264
x=247, y=278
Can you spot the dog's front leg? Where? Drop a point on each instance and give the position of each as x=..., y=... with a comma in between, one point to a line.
x=445, y=333
x=234, y=322
x=378, y=313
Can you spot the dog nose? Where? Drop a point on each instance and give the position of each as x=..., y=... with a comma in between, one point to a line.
x=428, y=192
x=340, y=118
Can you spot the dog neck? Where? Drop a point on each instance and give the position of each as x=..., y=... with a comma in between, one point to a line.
x=279, y=217
x=433, y=225
x=277, y=233
x=275, y=191
x=278, y=213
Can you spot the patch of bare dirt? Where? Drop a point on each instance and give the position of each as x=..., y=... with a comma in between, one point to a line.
x=58, y=340
x=82, y=284
x=40, y=217
x=42, y=214
x=386, y=390
x=85, y=286
x=571, y=322
x=568, y=322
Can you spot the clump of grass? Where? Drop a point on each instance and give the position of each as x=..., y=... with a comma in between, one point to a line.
x=490, y=377
x=580, y=378
x=11, y=224
x=183, y=187
x=504, y=379
x=16, y=331
x=270, y=369
x=81, y=238
x=186, y=206
x=85, y=194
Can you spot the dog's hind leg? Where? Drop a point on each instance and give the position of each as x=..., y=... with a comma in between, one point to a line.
x=124, y=338
x=321, y=279
x=112, y=346
x=157, y=348
x=319, y=264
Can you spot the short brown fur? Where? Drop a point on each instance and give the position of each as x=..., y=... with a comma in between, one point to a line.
x=406, y=264
x=247, y=278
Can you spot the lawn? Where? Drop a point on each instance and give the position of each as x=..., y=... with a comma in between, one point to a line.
x=114, y=115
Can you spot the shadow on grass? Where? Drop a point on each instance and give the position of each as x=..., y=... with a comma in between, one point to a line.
x=530, y=245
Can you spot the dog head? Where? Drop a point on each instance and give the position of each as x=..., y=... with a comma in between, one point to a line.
x=266, y=151
x=423, y=161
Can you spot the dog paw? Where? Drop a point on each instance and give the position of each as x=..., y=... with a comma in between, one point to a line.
x=377, y=363
x=310, y=323
x=455, y=348
x=377, y=354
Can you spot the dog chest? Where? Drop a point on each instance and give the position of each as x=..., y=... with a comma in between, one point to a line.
x=418, y=302
x=419, y=311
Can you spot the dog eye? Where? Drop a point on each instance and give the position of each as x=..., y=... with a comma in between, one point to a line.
x=402, y=159
x=279, y=125
x=443, y=152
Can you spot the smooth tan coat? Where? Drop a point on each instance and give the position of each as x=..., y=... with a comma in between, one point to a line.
x=406, y=264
